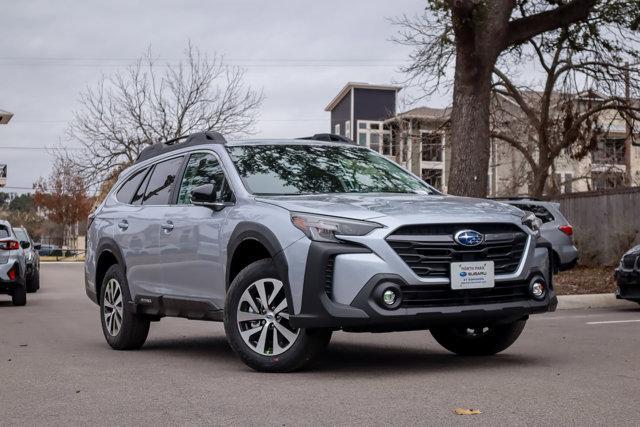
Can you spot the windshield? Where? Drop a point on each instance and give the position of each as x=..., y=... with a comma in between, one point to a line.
x=21, y=235
x=318, y=169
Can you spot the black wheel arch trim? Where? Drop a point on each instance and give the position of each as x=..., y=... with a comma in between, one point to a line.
x=105, y=244
x=248, y=230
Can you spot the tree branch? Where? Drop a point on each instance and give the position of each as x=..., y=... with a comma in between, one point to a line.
x=525, y=28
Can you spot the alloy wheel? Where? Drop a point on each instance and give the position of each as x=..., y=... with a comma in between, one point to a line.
x=113, y=307
x=263, y=318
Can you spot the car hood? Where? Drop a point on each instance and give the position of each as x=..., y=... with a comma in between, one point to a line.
x=411, y=208
x=633, y=250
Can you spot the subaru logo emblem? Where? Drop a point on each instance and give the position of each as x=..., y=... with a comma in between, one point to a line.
x=468, y=238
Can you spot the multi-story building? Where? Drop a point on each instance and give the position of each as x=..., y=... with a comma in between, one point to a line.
x=418, y=139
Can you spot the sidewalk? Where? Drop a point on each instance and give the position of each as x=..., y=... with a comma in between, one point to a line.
x=573, y=302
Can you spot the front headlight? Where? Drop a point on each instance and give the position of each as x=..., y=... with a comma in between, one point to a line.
x=533, y=222
x=322, y=228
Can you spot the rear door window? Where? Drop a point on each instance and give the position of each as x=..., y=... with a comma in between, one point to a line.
x=4, y=232
x=161, y=182
x=126, y=192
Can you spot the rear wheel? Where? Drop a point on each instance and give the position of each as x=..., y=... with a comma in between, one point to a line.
x=122, y=329
x=482, y=340
x=19, y=296
x=256, y=321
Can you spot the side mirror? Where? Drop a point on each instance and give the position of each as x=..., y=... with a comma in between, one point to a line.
x=205, y=195
x=37, y=246
x=25, y=245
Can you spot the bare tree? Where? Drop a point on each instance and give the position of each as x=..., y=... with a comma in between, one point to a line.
x=477, y=35
x=583, y=93
x=152, y=102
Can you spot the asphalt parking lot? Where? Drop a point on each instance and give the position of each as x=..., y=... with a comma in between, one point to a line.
x=569, y=368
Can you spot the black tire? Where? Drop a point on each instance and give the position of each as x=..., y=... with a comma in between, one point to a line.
x=483, y=341
x=33, y=282
x=305, y=349
x=19, y=296
x=134, y=328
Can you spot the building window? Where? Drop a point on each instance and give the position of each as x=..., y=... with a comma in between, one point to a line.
x=387, y=145
x=610, y=151
x=431, y=147
x=433, y=177
x=374, y=141
x=376, y=136
x=336, y=129
x=347, y=129
x=568, y=183
x=604, y=180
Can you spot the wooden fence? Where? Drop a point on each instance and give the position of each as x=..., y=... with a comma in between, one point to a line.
x=606, y=223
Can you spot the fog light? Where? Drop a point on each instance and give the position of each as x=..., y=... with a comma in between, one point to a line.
x=537, y=290
x=389, y=297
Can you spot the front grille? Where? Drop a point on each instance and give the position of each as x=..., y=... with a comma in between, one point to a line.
x=443, y=296
x=629, y=261
x=328, y=276
x=429, y=250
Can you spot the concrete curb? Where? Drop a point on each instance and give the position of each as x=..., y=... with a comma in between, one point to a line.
x=573, y=302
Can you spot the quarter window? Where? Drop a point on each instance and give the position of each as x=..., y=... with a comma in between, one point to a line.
x=126, y=191
x=161, y=182
x=201, y=169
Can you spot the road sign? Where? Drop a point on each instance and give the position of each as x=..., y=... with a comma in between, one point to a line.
x=3, y=175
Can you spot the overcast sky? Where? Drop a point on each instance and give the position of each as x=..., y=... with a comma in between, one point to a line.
x=300, y=53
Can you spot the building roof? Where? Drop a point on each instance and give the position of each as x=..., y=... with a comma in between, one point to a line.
x=356, y=85
x=424, y=113
x=5, y=116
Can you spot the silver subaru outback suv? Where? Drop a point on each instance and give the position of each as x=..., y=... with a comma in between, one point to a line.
x=286, y=241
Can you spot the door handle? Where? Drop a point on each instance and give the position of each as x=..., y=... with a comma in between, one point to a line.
x=168, y=226
x=123, y=225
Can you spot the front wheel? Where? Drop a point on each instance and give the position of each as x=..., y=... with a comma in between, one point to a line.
x=33, y=282
x=256, y=321
x=478, y=340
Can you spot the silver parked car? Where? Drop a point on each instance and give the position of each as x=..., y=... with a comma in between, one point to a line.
x=286, y=241
x=13, y=265
x=555, y=228
x=32, y=258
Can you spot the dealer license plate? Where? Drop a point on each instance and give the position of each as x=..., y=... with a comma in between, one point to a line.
x=472, y=275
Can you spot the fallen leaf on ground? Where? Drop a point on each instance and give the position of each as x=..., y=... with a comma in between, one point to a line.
x=466, y=411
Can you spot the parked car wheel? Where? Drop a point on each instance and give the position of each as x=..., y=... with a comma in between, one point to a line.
x=256, y=321
x=19, y=296
x=478, y=340
x=33, y=282
x=122, y=329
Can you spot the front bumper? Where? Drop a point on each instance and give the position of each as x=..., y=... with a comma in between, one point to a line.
x=628, y=282
x=431, y=304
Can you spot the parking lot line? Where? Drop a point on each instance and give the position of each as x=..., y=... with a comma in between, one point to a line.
x=613, y=321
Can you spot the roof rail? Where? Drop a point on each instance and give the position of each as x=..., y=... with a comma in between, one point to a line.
x=200, y=138
x=328, y=137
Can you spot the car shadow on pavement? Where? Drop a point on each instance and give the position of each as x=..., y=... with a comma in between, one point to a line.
x=388, y=360
x=352, y=358
x=215, y=348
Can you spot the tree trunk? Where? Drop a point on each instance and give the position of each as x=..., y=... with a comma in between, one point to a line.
x=540, y=176
x=470, y=126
